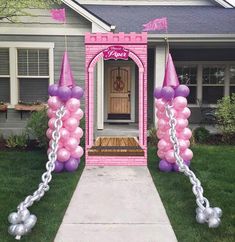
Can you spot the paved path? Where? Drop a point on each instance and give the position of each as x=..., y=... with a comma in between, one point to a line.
x=115, y=204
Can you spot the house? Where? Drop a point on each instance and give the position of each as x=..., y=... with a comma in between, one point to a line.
x=200, y=36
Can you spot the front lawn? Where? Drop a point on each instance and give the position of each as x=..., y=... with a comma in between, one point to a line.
x=20, y=173
x=215, y=167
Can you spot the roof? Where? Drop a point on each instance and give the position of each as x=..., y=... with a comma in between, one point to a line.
x=181, y=19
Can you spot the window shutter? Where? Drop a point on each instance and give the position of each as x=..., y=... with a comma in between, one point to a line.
x=4, y=61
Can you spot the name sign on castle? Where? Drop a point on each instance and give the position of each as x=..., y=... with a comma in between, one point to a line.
x=116, y=52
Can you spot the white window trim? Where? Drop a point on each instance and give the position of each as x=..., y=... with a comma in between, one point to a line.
x=200, y=85
x=13, y=46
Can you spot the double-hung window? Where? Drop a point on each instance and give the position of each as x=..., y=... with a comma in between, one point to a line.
x=232, y=79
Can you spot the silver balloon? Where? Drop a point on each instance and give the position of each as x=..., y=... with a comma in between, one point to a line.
x=201, y=218
x=11, y=229
x=24, y=214
x=218, y=211
x=213, y=222
x=14, y=218
x=208, y=212
x=19, y=230
x=30, y=222
x=199, y=210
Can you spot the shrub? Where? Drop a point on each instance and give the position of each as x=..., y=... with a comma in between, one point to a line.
x=201, y=135
x=152, y=136
x=37, y=126
x=18, y=141
x=226, y=117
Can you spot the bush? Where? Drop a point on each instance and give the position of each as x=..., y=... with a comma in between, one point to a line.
x=152, y=136
x=37, y=126
x=201, y=135
x=225, y=114
x=18, y=141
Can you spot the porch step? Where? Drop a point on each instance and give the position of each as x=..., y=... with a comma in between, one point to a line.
x=116, y=146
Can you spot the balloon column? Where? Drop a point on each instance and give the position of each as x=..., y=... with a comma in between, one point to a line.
x=173, y=147
x=67, y=94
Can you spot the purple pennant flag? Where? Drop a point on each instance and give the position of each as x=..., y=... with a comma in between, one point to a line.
x=156, y=24
x=171, y=78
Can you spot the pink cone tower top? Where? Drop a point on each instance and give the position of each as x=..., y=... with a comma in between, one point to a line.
x=170, y=78
x=66, y=74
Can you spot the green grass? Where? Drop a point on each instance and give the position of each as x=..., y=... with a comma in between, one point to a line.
x=215, y=167
x=20, y=173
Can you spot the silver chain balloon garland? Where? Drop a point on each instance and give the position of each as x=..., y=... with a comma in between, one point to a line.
x=204, y=213
x=22, y=221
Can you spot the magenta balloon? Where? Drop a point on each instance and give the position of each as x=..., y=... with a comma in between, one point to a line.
x=169, y=156
x=77, y=92
x=51, y=123
x=71, y=144
x=78, y=153
x=182, y=90
x=167, y=93
x=64, y=134
x=59, y=166
x=180, y=103
x=158, y=92
x=54, y=103
x=63, y=155
x=165, y=166
x=71, y=164
x=73, y=104
x=49, y=133
x=71, y=124
x=187, y=154
x=64, y=93
x=53, y=90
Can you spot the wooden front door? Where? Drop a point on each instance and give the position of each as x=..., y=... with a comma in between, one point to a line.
x=119, y=93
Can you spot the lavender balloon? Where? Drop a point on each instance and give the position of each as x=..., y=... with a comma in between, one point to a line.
x=158, y=92
x=167, y=93
x=64, y=93
x=71, y=164
x=165, y=166
x=182, y=90
x=59, y=166
x=53, y=90
x=77, y=92
x=176, y=167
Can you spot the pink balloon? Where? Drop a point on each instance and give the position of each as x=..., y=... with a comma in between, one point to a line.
x=169, y=156
x=49, y=133
x=77, y=133
x=164, y=145
x=51, y=123
x=63, y=155
x=188, y=143
x=160, y=104
x=49, y=150
x=185, y=113
x=51, y=113
x=163, y=124
x=181, y=123
x=71, y=144
x=73, y=104
x=185, y=134
x=160, y=134
x=78, y=153
x=54, y=103
x=78, y=114
x=64, y=134
x=183, y=144
x=66, y=115
x=187, y=154
x=180, y=103
x=60, y=144
x=71, y=124
x=161, y=154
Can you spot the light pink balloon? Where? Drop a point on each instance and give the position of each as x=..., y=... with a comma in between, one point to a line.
x=188, y=143
x=161, y=154
x=64, y=134
x=51, y=123
x=51, y=113
x=49, y=133
x=54, y=103
x=60, y=144
x=169, y=156
x=71, y=144
x=185, y=134
x=183, y=144
x=63, y=155
x=78, y=153
x=73, y=104
x=163, y=124
x=164, y=145
x=161, y=134
x=49, y=150
x=180, y=103
x=181, y=123
x=185, y=113
x=77, y=133
x=71, y=124
x=78, y=114
x=66, y=115
x=187, y=154
x=160, y=104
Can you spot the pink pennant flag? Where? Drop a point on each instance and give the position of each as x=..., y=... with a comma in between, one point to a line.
x=58, y=14
x=156, y=24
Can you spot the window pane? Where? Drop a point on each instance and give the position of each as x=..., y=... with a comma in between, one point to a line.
x=213, y=75
x=4, y=61
x=232, y=90
x=232, y=74
x=33, y=89
x=192, y=98
x=5, y=89
x=211, y=94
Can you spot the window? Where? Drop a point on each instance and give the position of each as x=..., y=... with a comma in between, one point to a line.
x=213, y=80
x=232, y=79
x=33, y=74
x=4, y=75
x=188, y=76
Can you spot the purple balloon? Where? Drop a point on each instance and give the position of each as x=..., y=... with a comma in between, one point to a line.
x=71, y=164
x=77, y=92
x=176, y=167
x=187, y=162
x=182, y=90
x=165, y=166
x=53, y=90
x=59, y=166
x=158, y=92
x=64, y=93
x=168, y=93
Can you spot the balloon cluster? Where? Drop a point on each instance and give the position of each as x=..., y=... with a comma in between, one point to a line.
x=177, y=98
x=69, y=152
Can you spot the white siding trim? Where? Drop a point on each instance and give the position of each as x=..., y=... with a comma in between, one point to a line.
x=51, y=66
x=38, y=45
x=224, y=4
x=14, y=93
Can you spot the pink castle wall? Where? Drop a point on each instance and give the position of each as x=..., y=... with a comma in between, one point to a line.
x=136, y=43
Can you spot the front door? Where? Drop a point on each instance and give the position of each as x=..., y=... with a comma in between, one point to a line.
x=119, y=93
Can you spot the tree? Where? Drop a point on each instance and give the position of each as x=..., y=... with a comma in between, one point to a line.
x=11, y=9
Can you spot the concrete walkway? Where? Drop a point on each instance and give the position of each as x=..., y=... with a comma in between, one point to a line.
x=115, y=204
